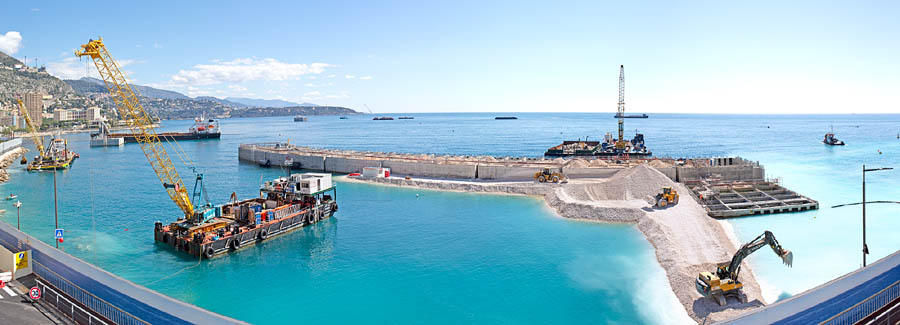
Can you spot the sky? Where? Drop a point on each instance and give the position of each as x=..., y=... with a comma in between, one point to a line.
x=759, y=57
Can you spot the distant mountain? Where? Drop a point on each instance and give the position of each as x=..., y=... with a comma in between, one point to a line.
x=294, y=110
x=88, y=85
x=225, y=102
x=254, y=102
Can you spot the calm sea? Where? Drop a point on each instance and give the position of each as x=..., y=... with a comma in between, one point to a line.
x=389, y=256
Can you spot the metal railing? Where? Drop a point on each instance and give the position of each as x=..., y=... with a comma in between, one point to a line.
x=55, y=300
x=866, y=307
x=87, y=299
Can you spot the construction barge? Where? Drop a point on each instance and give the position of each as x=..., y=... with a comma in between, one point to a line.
x=201, y=130
x=284, y=204
x=607, y=148
x=56, y=156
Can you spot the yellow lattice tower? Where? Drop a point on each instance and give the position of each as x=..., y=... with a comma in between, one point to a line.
x=130, y=109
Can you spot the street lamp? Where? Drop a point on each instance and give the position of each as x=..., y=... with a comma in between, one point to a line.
x=866, y=248
x=18, y=205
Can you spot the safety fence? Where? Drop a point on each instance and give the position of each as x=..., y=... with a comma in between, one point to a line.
x=85, y=298
x=866, y=307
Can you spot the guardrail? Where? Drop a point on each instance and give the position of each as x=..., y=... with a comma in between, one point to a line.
x=87, y=299
x=866, y=307
x=55, y=300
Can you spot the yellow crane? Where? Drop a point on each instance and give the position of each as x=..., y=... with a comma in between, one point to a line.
x=141, y=124
x=38, y=140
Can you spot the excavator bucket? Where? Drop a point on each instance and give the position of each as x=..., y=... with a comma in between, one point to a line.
x=787, y=258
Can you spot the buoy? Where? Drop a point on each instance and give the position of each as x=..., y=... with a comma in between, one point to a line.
x=417, y=195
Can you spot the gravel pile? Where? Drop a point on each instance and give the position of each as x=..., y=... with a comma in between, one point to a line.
x=640, y=182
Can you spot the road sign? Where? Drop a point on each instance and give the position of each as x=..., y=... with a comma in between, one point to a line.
x=59, y=233
x=35, y=293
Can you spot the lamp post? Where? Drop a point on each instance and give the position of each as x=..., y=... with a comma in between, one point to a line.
x=866, y=248
x=55, y=209
x=18, y=205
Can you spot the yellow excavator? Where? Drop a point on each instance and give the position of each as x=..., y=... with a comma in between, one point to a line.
x=724, y=283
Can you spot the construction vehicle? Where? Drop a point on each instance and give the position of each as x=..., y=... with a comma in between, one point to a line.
x=546, y=175
x=724, y=283
x=285, y=204
x=52, y=157
x=666, y=197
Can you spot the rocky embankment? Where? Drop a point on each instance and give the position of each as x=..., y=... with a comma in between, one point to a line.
x=7, y=159
x=685, y=239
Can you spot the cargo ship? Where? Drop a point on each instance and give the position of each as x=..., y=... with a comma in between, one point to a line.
x=284, y=204
x=299, y=118
x=383, y=118
x=631, y=115
x=202, y=129
x=56, y=156
x=606, y=148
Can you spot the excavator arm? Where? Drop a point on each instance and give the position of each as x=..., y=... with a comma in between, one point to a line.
x=767, y=238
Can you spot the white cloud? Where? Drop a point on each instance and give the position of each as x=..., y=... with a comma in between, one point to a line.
x=11, y=42
x=240, y=70
x=312, y=93
x=237, y=88
x=330, y=76
x=73, y=68
x=310, y=85
x=365, y=78
x=350, y=76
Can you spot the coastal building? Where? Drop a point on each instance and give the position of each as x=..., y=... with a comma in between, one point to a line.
x=87, y=114
x=35, y=105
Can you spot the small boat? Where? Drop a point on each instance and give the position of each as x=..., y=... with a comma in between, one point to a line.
x=405, y=118
x=344, y=118
x=11, y=197
x=506, y=118
x=383, y=118
x=831, y=140
x=23, y=161
x=632, y=116
x=299, y=118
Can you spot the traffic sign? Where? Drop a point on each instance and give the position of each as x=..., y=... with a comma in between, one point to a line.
x=59, y=233
x=35, y=293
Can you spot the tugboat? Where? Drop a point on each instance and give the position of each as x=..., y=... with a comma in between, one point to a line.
x=284, y=204
x=831, y=140
x=299, y=118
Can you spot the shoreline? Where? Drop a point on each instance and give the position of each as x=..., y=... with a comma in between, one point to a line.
x=685, y=240
x=7, y=159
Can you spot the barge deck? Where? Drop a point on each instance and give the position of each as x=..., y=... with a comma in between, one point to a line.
x=285, y=204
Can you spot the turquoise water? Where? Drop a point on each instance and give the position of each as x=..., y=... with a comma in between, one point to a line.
x=388, y=256
x=455, y=257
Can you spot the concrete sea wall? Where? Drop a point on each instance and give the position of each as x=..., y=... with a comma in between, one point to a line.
x=443, y=167
x=115, y=298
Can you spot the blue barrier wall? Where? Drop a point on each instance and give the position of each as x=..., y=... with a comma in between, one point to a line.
x=133, y=304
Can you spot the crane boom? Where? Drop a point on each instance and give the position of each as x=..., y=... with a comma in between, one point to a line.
x=620, y=144
x=140, y=123
x=38, y=141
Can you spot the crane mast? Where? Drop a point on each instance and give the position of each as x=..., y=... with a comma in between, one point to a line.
x=38, y=141
x=620, y=144
x=140, y=123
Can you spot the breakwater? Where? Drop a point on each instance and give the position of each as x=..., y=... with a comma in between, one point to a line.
x=488, y=167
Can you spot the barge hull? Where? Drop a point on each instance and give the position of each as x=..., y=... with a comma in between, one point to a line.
x=170, y=136
x=246, y=238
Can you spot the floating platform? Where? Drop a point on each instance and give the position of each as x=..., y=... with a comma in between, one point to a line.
x=285, y=204
x=102, y=141
x=745, y=198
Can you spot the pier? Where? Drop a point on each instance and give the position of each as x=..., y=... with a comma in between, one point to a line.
x=743, y=198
